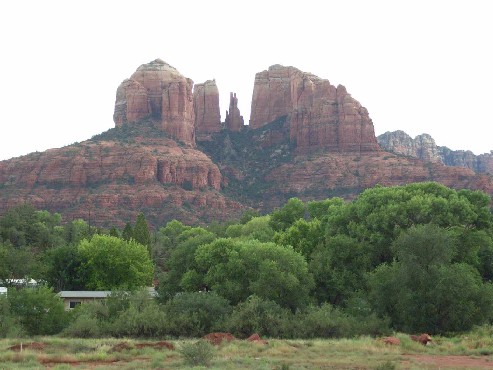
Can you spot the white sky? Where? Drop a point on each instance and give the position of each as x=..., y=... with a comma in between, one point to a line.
x=418, y=66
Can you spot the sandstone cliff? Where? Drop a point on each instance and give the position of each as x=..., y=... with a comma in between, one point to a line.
x=424, y=147
x=159, y=90
x=206, y=108
x=322, y=117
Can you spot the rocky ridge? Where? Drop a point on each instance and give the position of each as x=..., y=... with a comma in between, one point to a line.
x=424, y=147
x=170, y=157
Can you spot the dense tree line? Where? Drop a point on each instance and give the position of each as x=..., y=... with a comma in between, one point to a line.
x=412, y=258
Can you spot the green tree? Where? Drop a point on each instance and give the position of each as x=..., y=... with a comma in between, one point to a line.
x=75, y=231
x=4, y=268
x=236, y=269
x=114, y=263
x=181, y=260
x=292, y=211
x=65, y=270
x=378, y=216
x=39, y=310
x=424, y=290
x=141, y=232
x=258, y=228
x=167, y=239
x=303, y=236
x=322, y=208
x=128, y=232
x=339, y=267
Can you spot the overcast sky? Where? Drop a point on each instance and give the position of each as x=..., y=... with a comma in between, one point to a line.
x=417, y=66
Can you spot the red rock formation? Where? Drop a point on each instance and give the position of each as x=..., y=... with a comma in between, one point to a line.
x=132, y=103
x=206, y=106
x=169, y=96
x=338, y=171
x=321, y=116
x=234, y=120
x=111, y=182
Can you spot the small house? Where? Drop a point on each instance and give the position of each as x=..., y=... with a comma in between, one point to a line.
x=73, y=298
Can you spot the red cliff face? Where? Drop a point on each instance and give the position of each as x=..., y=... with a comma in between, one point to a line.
x=159, y=90
x=115, y=181
x=322, y=117
x=234, y=120
x=206, y=107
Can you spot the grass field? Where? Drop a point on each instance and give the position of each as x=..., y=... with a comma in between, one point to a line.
x=473, y=351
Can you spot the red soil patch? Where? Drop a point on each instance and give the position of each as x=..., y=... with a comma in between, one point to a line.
x=451, y=361
x=217, y=338
x=37, y=346
x=255, y=338
x=391, y=340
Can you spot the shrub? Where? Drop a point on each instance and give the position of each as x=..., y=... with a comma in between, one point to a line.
x=264, y=317
x=39, y=310
x=197, y=313
x=84, y=326
x=198, y=353
x=147, y=322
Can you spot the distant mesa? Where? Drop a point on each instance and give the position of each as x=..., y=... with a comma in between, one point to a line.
x=424, y=147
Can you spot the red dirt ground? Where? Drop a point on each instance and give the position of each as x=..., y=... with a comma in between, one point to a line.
x=217, y=338
x=450, y=361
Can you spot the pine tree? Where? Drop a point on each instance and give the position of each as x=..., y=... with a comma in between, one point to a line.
x=141, y=232
x=128, y=232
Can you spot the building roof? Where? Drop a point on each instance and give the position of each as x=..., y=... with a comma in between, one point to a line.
x=3, y=290
x=94, y=293
x=84, y=294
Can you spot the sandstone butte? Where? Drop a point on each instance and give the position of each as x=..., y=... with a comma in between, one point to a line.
x=171, y=157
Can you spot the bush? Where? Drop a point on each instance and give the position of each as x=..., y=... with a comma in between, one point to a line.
x=198, y=353
x=9, y=328
x=327, y=321
x=324, y=322
x=147, y=322
x=264, y=317
x=84, y=326
x=196, y=314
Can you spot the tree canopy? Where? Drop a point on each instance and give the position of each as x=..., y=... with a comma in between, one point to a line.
x=113, y=263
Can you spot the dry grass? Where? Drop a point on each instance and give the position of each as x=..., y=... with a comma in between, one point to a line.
x=361, y=353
